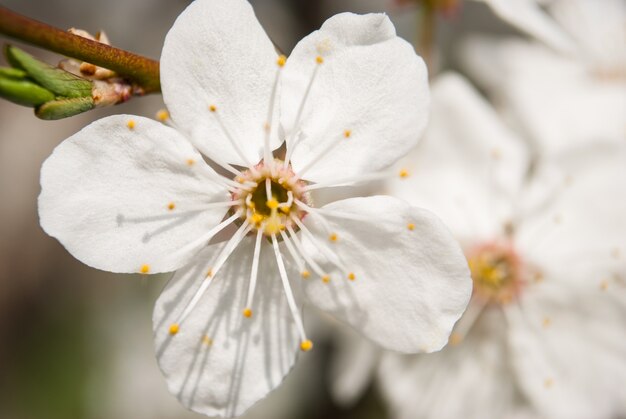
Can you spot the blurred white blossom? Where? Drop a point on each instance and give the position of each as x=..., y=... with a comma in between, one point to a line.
x=543, y=334
x=562, y=94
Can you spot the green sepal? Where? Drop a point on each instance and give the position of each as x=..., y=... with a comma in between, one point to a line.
x=58, y=81
x=12, y=73
x=64, y=108
x=22, y=91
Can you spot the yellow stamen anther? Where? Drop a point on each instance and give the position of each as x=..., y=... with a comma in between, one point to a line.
x=281, y=61
x=163, y=115
x=174, y=328
x=306, y=345
x=333, y=237
x=171, y=206
x=256, y=218
x=604, y=285
x=144, y=269
x=272, y=227
x=209, y=273
x=404, y=173
x=455, y=338
x=207, y=340
x=305, y=274
x=247, y=313
x=326, y=279
x=351, y=276
x=319, y=59
x=347, y=133
x=190, y=162
x=285, y=210
x=272, y=203
x=410, y=226
x=213, y=108
x=130, y=124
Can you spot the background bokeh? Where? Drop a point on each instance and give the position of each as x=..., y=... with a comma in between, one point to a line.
x=75, y=343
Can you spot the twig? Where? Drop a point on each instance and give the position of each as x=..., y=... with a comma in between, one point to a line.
x=142, y=71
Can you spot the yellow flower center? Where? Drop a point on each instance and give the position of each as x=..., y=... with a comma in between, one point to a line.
x=496, y=272
x=268, y=197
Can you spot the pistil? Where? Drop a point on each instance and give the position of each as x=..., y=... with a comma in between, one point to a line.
x=496, y=271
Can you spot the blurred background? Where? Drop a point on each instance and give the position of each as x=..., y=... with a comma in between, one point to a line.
x=76, y=343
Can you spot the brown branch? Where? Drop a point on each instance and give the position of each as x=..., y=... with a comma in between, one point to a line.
x=142, y=71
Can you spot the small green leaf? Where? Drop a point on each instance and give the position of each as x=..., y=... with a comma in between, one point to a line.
x=59, y=109
x=22, y=91
x=58, y=81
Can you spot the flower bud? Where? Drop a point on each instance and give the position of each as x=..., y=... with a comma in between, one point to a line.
x=54, y=92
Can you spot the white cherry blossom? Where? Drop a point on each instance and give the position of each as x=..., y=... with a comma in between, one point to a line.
x=129, y=194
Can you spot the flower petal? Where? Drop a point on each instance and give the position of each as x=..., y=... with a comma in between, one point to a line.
x=568, y=351
x=567, y=108
x=352, y=367
x=559, y=102
x=597, y=27
x=411, y=281
x=369, y=96
x=121, y=196
x=527, y=16
x=469, y=165
x=577, y=233
x=486, y=60
x=471, y=379
x=567, y=339
x=220, y=363
x=218, y=54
